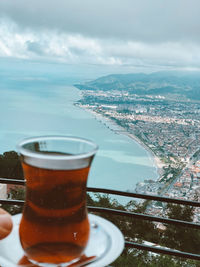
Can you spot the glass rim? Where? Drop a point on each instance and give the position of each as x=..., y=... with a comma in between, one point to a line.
x=34, y=154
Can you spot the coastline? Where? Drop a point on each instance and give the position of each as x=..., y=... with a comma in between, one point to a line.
x=118, y=129
x=158, y=163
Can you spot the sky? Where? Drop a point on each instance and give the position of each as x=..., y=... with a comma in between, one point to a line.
x=135, y=34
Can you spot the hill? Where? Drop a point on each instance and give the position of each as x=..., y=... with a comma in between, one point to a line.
x=183, y=84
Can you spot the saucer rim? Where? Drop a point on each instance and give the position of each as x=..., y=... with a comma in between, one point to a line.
x=117, y=241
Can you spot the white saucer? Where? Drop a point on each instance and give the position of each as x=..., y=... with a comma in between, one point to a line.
x=11, y=251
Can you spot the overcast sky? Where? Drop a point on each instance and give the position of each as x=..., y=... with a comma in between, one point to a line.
x=142, y=33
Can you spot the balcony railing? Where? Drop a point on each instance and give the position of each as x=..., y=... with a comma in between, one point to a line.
x=128, y=244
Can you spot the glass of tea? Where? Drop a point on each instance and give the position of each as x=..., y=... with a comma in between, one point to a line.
x=54, y=228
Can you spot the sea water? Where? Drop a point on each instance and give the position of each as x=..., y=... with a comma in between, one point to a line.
x=38, y=99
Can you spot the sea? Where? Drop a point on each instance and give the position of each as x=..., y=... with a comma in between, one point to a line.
x=39, y=99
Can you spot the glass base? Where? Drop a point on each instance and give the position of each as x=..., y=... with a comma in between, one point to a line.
x=64, y=264
x=91, y=253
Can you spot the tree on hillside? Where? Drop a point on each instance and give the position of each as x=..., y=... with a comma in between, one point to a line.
x=138, y=231
x=10, y=166
x=178, y=237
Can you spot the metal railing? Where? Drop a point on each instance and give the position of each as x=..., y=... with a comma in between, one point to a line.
x=128, y=244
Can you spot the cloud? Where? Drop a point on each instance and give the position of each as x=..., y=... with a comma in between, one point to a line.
x=149, y=34
x=166, y=53
x=136, y=20
x=50, y=45
x=34, y=47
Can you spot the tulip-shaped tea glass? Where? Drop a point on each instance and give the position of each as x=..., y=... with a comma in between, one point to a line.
x=54, y=228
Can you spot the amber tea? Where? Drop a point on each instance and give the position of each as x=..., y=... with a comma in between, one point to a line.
x=54, y=227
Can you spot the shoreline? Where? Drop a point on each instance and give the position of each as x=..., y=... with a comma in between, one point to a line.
x=156, y=160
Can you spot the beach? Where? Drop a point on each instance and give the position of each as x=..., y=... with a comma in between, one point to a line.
x=158, y=163
x=112, y=125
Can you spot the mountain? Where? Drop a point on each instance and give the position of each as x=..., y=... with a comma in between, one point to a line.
x=184, y=84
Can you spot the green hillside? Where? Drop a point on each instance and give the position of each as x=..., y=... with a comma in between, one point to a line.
x=185, y=84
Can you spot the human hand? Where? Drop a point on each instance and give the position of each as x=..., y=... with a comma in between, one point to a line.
x=5, y=223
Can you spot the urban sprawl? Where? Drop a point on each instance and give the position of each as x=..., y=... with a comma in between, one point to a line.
x=169, y=128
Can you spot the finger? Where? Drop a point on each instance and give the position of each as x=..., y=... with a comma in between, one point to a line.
x=5, y=223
